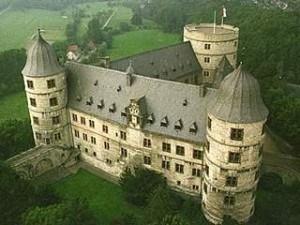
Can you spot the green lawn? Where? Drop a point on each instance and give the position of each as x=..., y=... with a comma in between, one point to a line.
x=105, y=199
x=13, y=107
x=18, y=27
x=140, y=41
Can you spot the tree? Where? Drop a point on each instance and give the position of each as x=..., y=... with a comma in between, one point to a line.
x=70, y=213
x=137, y=19
x=170, y=220
x=94, y=32
x=138, y=186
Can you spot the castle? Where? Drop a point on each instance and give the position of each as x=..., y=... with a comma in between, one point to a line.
x=184, y=111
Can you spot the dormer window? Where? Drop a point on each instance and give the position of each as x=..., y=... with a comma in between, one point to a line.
x=101, y=104
x=194, y=128
x=112, y=108
x=90, y=101
x=178, y=124
x=185, y=102
x=119, y=89
x=164, y=122
x=150, y=118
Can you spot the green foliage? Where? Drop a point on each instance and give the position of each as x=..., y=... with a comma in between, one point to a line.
x=138, y=186
x=75, y=212
x=126, y=219
x=11, y=64
x=17, y=195
x=170, y=220
x=137, y=19
x=227, y=220
x=124, y=27
x=15, y=137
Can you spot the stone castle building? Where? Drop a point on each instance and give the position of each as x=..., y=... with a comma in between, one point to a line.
x=184, y=111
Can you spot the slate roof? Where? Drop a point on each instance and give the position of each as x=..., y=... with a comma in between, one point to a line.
x=175, y=100
x=41, y=59
x=222, y=71
x=168, y=63
x=238, y=99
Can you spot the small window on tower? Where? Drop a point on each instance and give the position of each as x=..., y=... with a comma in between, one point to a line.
x=55, y=120
x=38, y=136
x=51, y=83
x=209, y=123
x=206, y=59
x=237, y=134
x=207, y=46
x=231, y=181
x=30, y=84
x=53, y=102
x=229, y=200
x=32, y=102
x=234, y=157
x=206, y=73
x=36, y=120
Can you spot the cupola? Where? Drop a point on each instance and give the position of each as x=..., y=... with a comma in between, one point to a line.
x=238, y=99
x=41, y=59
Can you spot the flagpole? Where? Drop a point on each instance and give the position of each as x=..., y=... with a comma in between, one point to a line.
x=222, y=21
x=215, y=15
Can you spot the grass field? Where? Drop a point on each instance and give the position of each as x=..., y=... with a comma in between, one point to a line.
x=14, y=107
x=140, y=41
x=105, y=199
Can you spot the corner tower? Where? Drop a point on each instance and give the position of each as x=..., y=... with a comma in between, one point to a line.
x=235, y=133
x=211, y=43
x=45, y=86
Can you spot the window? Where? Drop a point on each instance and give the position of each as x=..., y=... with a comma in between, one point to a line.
x=209, y=123
x=32, y=102
x=82, y=120
x=237, y=134
x=92, y=123
x=207, y=46
x=234, y=157
x=196, y=172
x=108, y=161
x=35, y=120
x=55, y=120
x=205, y=188
x=179, y=168
x=165, y=164
x=47, y=141
x=78, y=146
x=74, y=117
x=208, y=146
x=30, y=84
x=94, y=154
x=93, y=140
x=195, y=187
x=179, y=150
x=166, y=147
x=84, y=136
x=206, y=59
x=206, y=73
x=178, y=182
x=207, y=170
x=235, y=43
x=105, y=129
x=53, y=102
x=123, y=153
x=229, y=200
x=197, y=154
x=51, y=83
x=76, y=132
x=147, y=160
x=123, y=135
x=38, y=136
x=231, y=181
x=147, y=143
x=57, y=137
x=106, y=145
x=86, y=150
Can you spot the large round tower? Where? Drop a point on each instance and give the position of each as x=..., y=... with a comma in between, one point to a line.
x=45, y=85
x=235, y=132
x=211, y=43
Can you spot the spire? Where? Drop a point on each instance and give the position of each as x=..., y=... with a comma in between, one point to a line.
x=129, y=73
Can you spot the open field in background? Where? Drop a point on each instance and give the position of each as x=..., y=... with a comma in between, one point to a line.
x=18, y=27
x=105, y=199
x=140, y=41
x=14, y=107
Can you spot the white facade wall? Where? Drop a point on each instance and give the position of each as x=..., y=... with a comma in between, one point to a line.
x=112, y=162
x=219, y=167
x=49, y=133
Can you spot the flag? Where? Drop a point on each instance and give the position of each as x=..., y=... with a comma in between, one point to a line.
x=224, y=12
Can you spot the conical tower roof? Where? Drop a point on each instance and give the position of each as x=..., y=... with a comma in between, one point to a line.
x=41, y=59
x=238, y=99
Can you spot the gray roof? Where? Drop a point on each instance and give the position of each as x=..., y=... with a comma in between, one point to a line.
x=41, y=59
x=163, y=98
x=168, y=63
x=238, y=99
x=222, y=71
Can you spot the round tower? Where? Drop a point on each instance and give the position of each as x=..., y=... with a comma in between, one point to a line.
x=46, y=91
x=211, y=43
x=235, y=132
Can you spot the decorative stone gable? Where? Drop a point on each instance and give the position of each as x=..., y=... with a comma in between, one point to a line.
x=136, y=113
